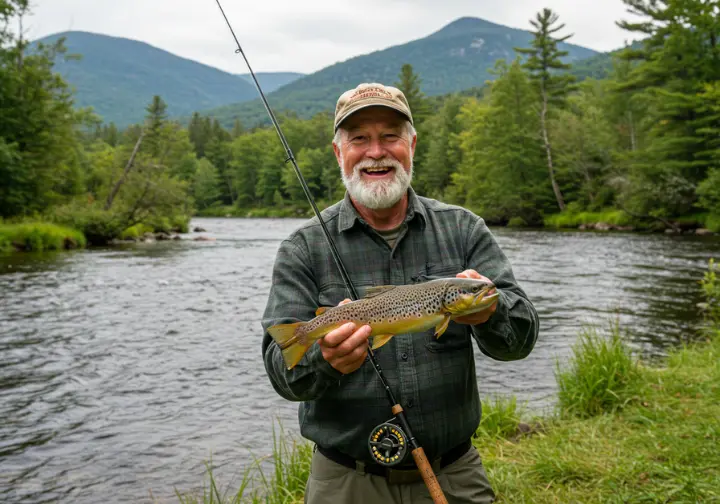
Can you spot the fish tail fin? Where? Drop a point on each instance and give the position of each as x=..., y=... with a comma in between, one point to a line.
x=293, y=347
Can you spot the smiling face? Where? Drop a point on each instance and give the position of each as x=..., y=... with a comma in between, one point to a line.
x=375, y=151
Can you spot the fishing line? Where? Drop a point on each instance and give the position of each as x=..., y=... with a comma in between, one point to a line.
x=382, y=438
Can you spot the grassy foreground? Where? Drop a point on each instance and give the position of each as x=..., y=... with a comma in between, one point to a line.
x=623, y=432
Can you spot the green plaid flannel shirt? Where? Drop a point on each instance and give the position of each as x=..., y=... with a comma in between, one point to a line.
x=433, y=379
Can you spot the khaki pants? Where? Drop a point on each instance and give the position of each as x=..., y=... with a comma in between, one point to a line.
x=464, y=481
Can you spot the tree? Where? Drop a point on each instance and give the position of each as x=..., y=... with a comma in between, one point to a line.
x=154, y=120
x=409, y=84
x=206, y=184
x=543, y=63
x=500, y=173
x=678, y=59
x=443, y=153
x=38, y=123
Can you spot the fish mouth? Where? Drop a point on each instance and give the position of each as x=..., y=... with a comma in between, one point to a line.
x=484, y=298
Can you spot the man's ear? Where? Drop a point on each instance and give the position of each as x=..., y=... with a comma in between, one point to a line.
x=336, y=150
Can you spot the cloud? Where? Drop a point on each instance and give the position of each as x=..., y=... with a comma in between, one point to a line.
x=284, y=35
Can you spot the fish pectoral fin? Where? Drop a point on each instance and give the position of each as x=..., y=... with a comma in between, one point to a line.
x=442, y=326
x=321, y=310
x=378, y=289
x=380, y=340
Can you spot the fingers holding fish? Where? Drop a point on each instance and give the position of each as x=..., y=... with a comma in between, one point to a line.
x=345, y=347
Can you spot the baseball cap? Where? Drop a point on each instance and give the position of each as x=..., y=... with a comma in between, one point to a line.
x=367, y=95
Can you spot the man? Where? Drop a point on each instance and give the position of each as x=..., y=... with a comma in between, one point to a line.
x=388, y=235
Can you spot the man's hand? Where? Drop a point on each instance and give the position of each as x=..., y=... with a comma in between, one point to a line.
x=345, y=348
x=482, y=316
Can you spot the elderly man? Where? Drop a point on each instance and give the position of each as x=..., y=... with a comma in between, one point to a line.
x=388, y=235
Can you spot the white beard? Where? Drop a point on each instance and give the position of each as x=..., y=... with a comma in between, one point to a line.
x=378, y=194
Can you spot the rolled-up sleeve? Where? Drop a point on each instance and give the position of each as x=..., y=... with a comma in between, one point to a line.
x=294, y=297
x=511, y=332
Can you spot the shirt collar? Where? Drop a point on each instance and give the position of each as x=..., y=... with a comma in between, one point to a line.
x=348, y=215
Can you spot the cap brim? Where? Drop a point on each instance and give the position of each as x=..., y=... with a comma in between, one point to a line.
x=361, y=106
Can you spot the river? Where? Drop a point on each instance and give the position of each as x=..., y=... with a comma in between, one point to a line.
x=123, y=369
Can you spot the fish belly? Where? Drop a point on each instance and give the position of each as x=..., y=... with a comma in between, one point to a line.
x=408, y=325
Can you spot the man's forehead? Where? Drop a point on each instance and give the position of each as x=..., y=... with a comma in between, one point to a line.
x=370, y=116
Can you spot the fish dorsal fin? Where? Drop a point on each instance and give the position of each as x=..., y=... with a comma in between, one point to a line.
x=321, y=310
x=378, y=289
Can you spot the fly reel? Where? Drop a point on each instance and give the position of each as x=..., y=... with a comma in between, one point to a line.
x=388, y=444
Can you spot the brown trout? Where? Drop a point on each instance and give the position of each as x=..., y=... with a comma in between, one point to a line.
x=390, y=310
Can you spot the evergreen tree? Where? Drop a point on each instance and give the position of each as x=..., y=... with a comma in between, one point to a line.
x=543, y=63
x=154, y=120
x=237, y=129
x=409, y=84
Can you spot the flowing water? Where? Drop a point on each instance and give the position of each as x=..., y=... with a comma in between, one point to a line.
x=123, y=369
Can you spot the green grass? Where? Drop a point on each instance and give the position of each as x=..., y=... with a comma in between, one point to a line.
x=38, y=236
x=570, y=219
x=285, y=484
x=660, y=448
x=602, y=375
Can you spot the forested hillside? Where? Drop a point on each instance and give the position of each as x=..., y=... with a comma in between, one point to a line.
x=459, y=56
x=118, y=76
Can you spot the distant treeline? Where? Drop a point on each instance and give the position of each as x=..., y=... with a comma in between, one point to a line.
x=532, y=143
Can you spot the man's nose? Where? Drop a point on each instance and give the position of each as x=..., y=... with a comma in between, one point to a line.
x=375, y=150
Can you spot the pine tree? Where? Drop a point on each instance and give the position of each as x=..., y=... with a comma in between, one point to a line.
x=543, y=63
x=154, y=120
x=409, y=84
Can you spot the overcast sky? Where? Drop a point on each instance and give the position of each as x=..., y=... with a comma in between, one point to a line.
x=307, y=35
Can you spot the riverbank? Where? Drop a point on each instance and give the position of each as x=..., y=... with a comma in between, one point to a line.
x=608, y=220
x=623, y=431
x=38, y=236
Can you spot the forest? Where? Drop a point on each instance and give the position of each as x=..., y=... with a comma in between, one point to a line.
x=535, y=146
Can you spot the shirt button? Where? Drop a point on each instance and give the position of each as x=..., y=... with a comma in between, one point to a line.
x=404, y=356
x=410, y=403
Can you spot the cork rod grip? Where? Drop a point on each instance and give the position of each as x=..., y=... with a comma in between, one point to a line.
x=428, y=476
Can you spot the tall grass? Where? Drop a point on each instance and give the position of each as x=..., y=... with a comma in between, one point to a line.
x=285, y=483
x=601, y=377
x=710, y=285
x=38, y=236
x=500, y=417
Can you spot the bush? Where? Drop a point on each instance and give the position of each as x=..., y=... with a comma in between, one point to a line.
x=38, y=236
x=98, y=226
x=601, y=377
x=135, y=232
x=517, y=222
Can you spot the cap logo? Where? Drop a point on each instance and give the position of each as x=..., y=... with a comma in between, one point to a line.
x=371, y=92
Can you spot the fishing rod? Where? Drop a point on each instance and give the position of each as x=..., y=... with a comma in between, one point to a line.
x=388, y=442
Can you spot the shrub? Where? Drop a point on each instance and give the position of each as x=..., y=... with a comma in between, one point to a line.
x=38, y=236
x=517, y=222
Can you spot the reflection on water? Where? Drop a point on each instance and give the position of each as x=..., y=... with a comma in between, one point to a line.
x=123, y=369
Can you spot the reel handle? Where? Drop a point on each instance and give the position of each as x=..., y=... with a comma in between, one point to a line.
x=428, y=476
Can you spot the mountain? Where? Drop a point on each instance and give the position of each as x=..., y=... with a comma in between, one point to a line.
x=270, y=81
x=457, y=57
x=118, y=78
